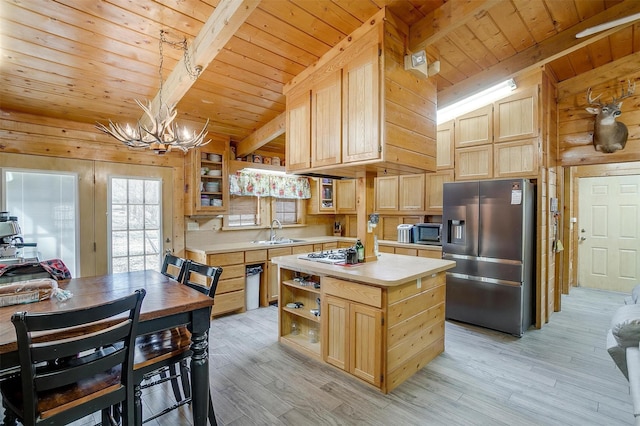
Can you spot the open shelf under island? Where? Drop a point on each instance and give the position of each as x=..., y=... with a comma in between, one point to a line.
x=379, y=321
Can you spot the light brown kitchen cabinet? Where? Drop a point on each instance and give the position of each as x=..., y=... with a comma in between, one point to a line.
x=207, y=189
x=475, y=162
x=322, y=199
x=375, y=133
x=353, y=331
x=345, y=195
x=433, y=190
x=445, y=145
x=516, y=159
x=326, y=120
x=361, y=107
x=474, y=128
x=411, y=192
x=298, y=123
x=516, y=117
x=386, y=190
x=230, y=293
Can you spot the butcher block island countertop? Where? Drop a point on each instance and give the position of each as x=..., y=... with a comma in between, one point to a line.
x=379, y=321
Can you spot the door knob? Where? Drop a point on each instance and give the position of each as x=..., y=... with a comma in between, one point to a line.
x=582, y=238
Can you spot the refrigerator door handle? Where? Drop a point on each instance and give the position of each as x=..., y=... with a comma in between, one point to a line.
x=484, y=279
x=449, y=256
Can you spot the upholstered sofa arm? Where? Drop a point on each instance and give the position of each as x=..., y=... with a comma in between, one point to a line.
x=633, y=367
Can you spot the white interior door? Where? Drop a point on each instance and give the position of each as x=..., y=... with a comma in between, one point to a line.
x=609, y=223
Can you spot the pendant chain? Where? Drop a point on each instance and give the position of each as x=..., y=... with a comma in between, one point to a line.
x=194, y=72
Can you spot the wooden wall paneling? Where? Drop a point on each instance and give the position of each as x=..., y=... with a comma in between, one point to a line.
x=541, y=251
x=575, y=124
x=409, y=105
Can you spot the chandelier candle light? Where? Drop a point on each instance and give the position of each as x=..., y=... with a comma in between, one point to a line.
x=163, y=134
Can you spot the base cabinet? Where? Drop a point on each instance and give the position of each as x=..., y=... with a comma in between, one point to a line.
x=353, y=338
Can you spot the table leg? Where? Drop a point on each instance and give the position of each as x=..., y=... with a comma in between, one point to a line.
x=199, y=378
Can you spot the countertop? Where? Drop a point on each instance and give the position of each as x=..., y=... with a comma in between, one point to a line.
x=248, y=245
x=388, y=271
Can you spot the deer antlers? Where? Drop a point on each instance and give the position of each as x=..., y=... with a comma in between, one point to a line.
x=630, y=90
x=624, y=95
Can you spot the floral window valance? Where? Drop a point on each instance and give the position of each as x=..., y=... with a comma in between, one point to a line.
x=250, y=183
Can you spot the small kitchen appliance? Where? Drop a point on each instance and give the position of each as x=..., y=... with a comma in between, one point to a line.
x=405, y=233
x=427, y=233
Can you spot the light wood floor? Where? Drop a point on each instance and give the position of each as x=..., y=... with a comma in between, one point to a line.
x=560, y=375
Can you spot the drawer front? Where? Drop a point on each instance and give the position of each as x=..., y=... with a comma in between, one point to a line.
x=225, y=286
x=360, y=293
x=252, y=256
x=222, y=259
x=228, y=302
x=407, y=251
x=330, y=246
x=280, y=251
x=307, y=248
x=432, y=254
x=232, y=271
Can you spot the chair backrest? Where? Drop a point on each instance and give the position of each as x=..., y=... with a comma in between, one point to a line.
x=102, y=377
x=203, y=278
x=173, y=266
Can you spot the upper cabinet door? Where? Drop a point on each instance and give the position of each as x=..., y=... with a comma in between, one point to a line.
x=361, y=107
x=298, y=131
x=345, y=196
x=474, y=128
x=516, y=117
x=445, y=146
x=386, y=193
x=326, y=124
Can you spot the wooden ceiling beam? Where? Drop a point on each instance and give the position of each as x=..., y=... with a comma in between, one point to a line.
x=444, y=20
x=540, y=54
x=262, y=136
x=225, y=20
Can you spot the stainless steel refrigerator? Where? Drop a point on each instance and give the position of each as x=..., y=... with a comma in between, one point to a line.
x=489, y=231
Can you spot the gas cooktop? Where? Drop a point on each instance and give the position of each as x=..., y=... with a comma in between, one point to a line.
x=328, y=256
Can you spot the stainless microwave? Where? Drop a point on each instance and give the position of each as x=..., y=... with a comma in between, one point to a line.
x=427, y=233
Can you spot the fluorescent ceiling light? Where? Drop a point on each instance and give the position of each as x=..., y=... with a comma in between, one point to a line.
x=264, y=171
x=476, y=101
x=607, y=25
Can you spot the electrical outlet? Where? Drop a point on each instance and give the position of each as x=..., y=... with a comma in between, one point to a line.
x=193, y=226
x=419, y=283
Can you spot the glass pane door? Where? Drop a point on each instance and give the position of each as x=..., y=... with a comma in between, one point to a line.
x=135, y=226
x=46, y=206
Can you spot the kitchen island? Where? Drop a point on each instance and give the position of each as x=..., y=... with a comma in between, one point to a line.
x=379, y=321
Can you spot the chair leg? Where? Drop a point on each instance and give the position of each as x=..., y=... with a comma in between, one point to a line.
x=9, y=418
x=173, y=371
x=184, y=376
x=212, y=414
x=137, y=405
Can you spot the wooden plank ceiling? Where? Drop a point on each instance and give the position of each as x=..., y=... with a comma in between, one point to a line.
x=88, y=60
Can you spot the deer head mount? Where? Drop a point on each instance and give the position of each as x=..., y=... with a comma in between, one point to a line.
x=609, y=135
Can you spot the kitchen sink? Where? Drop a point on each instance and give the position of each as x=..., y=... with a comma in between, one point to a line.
x=276, y=242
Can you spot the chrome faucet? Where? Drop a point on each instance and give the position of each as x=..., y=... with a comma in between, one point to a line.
x=272, y=232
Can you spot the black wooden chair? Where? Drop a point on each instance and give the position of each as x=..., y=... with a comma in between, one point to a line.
x=171, y=349
x=173, y=266
x=90, y=379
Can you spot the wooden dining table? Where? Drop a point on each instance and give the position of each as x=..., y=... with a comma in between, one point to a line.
x=167, y=304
